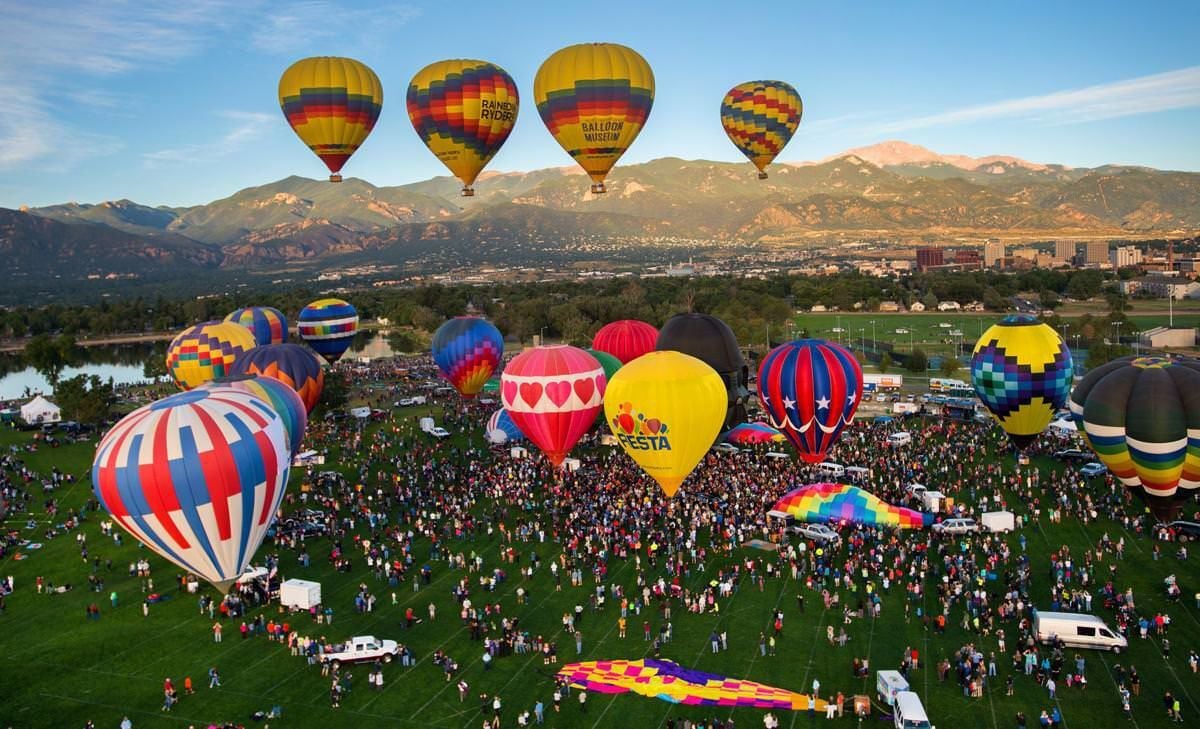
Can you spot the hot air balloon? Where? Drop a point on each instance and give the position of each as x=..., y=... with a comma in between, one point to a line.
x=760, y=118
x=291, y=364
x=610, y=363
x=836, y=502
x=468, y=350
x=269, y=326
x=204, y=351
x=463, y=111
x=626, y=340
x=1022, y=371
x=332, y=105
x=594, y=99
x=501, y=429
x=810, y=389
x=710, y=340
x=196, y=477
x=553, y=393
x=666, y=409
x=1141, y=415
x=328, y=326
x=753, y=434
x=279, y=395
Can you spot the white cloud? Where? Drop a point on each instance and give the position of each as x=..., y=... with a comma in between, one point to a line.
x=247, y=126
x=305, y=25
x=1179, y=89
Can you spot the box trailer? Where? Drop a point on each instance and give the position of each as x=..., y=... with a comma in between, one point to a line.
x=998, y=521
x=300, y=594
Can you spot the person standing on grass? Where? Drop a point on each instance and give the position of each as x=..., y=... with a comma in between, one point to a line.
x=578, y=642
x=214, y=678
x=216, y=629
x=539, y=712
x=620, y=627
x=583, y=700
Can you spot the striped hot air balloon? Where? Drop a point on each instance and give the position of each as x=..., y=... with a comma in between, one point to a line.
x=291, y=364
x=279, y=395
x=268, y=325
x=468, y=350
x=810, y=390
x=197, y=478
x=760, y=118
x=553, y=393
x=206, y=351
x=836, y=502
x=1141, y=415
x=626, y=339
x=332, y=104
x=328, y=326
x=500, y=423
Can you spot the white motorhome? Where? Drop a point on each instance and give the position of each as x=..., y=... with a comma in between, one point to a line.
x=1077, y=630
x=888, y=684
x=908, y=713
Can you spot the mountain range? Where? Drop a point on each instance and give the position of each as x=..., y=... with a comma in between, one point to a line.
x=890, y=189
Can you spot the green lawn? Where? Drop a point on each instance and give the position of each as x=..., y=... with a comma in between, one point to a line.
x=58, y=669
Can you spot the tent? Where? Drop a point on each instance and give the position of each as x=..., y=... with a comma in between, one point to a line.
x=40, y=410
x=1065, y=425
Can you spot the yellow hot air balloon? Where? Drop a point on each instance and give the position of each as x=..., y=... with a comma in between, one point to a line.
x=332, y=104
x=666, y=409
x=760, y=117
x=594, y=99
x=463, y=111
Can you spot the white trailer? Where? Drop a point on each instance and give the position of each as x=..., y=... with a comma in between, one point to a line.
x=427, y=425
x=300, y=594
x=998, y=521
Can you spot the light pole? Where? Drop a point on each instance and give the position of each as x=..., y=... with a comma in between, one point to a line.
x=839, y=329
x=874, y=344
x=542, y=336
x=862, y=342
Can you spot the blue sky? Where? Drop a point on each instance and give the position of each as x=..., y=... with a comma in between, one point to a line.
x=175, y=102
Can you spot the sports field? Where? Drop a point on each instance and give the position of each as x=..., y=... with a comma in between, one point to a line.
x=58, y=669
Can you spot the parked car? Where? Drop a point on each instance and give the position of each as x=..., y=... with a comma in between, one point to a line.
x=1093, y=469
x=406, y=402
x=1184, y=531
x=956, y=526
x=726, y=448
x=1074, y=454
x=439, y=432
x=362, y=648
x=819, y=533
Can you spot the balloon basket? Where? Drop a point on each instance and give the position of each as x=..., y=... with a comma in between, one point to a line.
x=598, y=188
x=335, y=178
x=762, y=175
x=468, y=192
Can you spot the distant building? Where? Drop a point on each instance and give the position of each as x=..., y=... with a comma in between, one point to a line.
x=1125, y=256
x=889, y=306
x=1066, y=250
x=949, y=306
x=929, y=257
x=1162, y=287
x=1029, y=254
x=1189, y=267
x=1163, y=337
x=993, y=252
x=1097, y=252
x=968, y=258
x=818, y=308
x=917, y=306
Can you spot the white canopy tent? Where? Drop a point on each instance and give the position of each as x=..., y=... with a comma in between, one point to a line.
x=39, y=410
x=1065, y=425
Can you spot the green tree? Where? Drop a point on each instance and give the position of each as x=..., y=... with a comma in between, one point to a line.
x=930, y=301
x=335, y=395
x=1118, y=303
x=917, y=361
x=85, y=399
x=1085, y=284
x=49, y=355
x=1049, y=299
x=950, y=366
x=886, y=362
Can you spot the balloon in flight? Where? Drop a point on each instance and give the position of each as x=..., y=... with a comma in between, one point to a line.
x=810, y=390
x=468, y=350
x=594, y=98
x=552, y=393
x=332, y=104
x=291, y=364
x=1141, y=415
x=760, y=118
x=328, y=326
x=268, y=325
x=205, y=351
x=197, y=478
x=1022, y=371
x=463, y=110
x=626, y=339
x=666, y=409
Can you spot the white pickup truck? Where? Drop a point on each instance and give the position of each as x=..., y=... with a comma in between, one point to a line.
x=361, y=648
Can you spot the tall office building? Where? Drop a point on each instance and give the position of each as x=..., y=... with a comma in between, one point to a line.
x=1097, y=252
x=1125, y=256
x=993, y=251
x=927, y=257
x=1065, y=250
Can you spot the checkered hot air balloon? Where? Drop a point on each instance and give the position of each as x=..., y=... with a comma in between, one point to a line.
x=553, y=393
x=837, y=502
x=1022, y=371
x=1141, y=415
x=206, y=351
x=291, y=364
x=468, y=350
x=279, y=395
x=760, y=118
x=810, y=390
x=328, y=326
x=268, y=325
x=197, y=478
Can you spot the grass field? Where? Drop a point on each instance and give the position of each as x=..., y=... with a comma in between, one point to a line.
x=58, y=669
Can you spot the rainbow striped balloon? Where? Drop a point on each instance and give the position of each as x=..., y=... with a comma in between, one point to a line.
x=293, y=365
x=760, y=118
x=332, y=104
x=467, y=350
x=280, y=396
x=328, y=326
x=197, y=478
x=836, y=502
x=268, y=325
x=206, y=351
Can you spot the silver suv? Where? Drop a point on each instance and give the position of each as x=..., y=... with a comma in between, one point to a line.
x=819, y=533
x=956, y=526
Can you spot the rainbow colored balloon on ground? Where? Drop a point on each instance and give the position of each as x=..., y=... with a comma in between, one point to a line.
x=678, y=685
x=835, y=502
x=753, y=434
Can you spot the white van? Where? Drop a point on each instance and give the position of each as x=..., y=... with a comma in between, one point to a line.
x=857, y=473
x=902, y=438
x=1077, y=630
x=888, y=684
x=908, y=712
x=831, y=470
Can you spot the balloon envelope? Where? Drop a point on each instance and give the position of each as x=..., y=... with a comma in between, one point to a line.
x=328, y=326
x=332, y=104
x=836, y=502
x=280, y=396
x=291, y=364
x=204, y=351
x=810, y=390
x=463, y=111
x=1141, y=415
x=760, y=118
x=552, y=393
x=753, y=434
x=268, y=325
x=196, y=477
x=502, y=422
x=610, y=363
x=711, y=341
x=626, y=340
x=468, y=350
x=666, y=409
x=1022, y=371
x=594, y=98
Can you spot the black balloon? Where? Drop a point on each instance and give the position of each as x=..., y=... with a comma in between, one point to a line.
x=710, y=340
